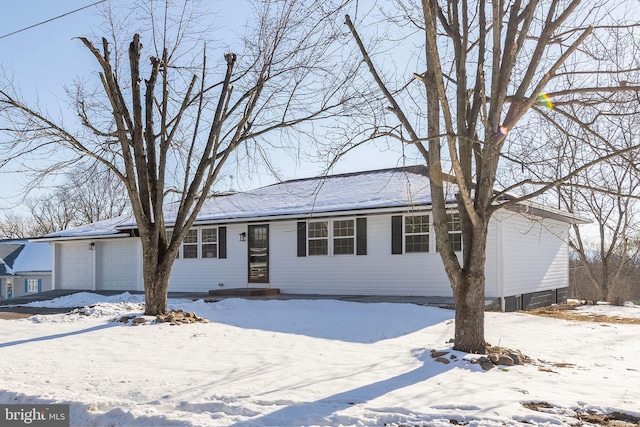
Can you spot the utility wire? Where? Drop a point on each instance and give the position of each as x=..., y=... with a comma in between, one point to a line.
x=52, y=19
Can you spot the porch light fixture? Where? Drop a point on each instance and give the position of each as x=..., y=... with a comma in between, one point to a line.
x=92, y=246
x=243, y=236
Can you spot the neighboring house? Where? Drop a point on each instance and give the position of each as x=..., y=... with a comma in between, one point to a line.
x=25, y=268
x=366, y=233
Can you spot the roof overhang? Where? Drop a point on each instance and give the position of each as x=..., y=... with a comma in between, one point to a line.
x=543, y=212
x=118, y=235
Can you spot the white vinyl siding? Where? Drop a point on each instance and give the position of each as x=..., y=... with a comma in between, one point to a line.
x=535, y=259
x=376, y=273
x=204, y=274
x=534, y=255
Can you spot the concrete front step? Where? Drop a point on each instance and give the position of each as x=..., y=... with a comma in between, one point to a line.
x=244, y=292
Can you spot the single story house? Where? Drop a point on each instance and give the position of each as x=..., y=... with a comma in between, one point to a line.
x=365, y=233
x=25, y=268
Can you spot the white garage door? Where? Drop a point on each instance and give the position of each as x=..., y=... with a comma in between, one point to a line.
x=75, y=266
x=117, y=264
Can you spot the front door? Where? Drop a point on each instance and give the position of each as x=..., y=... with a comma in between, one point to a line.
x=258, y=254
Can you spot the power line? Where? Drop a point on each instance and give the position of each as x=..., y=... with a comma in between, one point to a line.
x=52, y=19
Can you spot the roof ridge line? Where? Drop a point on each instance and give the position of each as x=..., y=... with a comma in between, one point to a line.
x=418, y=169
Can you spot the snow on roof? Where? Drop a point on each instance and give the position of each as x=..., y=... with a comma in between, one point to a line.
x=386, y=188
x=25, y=257
x=103, y=228
x=33, y=257
x=402, y=187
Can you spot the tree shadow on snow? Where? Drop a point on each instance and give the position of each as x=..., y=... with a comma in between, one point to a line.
x=56, y=336
x=343, y=321
x=324, y=411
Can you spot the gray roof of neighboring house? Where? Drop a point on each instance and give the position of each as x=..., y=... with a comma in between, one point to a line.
x=22, y=256
x=403, y=187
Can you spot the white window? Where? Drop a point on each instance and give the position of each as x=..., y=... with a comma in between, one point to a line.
x=190, y=244
x=209, y=242
x=198, y=243
x=318, y=237
x=32, y=285
x=416, y=233
x=337, y=237
x=455, y=231
x=344, y=236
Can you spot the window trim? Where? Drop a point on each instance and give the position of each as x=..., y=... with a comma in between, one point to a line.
x=398, y=232
x=220, y=242
x=202, y=243
x=33, y=286
x=326, y=238
x=195, y=244
x=428, y=233
x=331, y=236
x=454, y=232
x=350, y=237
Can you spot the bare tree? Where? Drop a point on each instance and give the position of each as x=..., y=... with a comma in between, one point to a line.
x=88, y=194
x=51, y=213
x=96, y=193
x=487, y=71
x=14, y=226
x=169, y=126
x=609, y=252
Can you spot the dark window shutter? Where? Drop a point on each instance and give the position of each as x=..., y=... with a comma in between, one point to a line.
x=26, y=285
x=302, y=238
x=222, y=242
x=39, y=285
x=361, y=236
x=396, y=234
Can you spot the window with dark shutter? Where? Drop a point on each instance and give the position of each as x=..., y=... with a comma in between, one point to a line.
x=396, y=234
x=222, y=242
x=361, y=236
x=302, y=238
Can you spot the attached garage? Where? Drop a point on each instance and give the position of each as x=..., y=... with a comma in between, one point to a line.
x=117, y=264
x=74, y=266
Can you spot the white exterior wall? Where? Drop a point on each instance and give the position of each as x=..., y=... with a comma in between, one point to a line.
x=492, y=263
x=74, y=265
x=523, y=256
x=535, y=254
x=377, y=273
x=202, y=275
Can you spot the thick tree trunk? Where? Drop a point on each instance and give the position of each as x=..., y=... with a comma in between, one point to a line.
x=156, y=269
x=469, y=318
x=156, y=291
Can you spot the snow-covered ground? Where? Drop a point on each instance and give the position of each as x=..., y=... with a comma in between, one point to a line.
x=312, y=362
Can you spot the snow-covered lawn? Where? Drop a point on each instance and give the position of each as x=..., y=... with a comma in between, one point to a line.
x=312, y=362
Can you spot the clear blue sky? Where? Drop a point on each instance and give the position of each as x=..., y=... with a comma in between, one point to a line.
x=46, y=58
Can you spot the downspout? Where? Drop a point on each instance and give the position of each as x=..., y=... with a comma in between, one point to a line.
x=501, y=265
x=54, y=256
x=94, y=265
